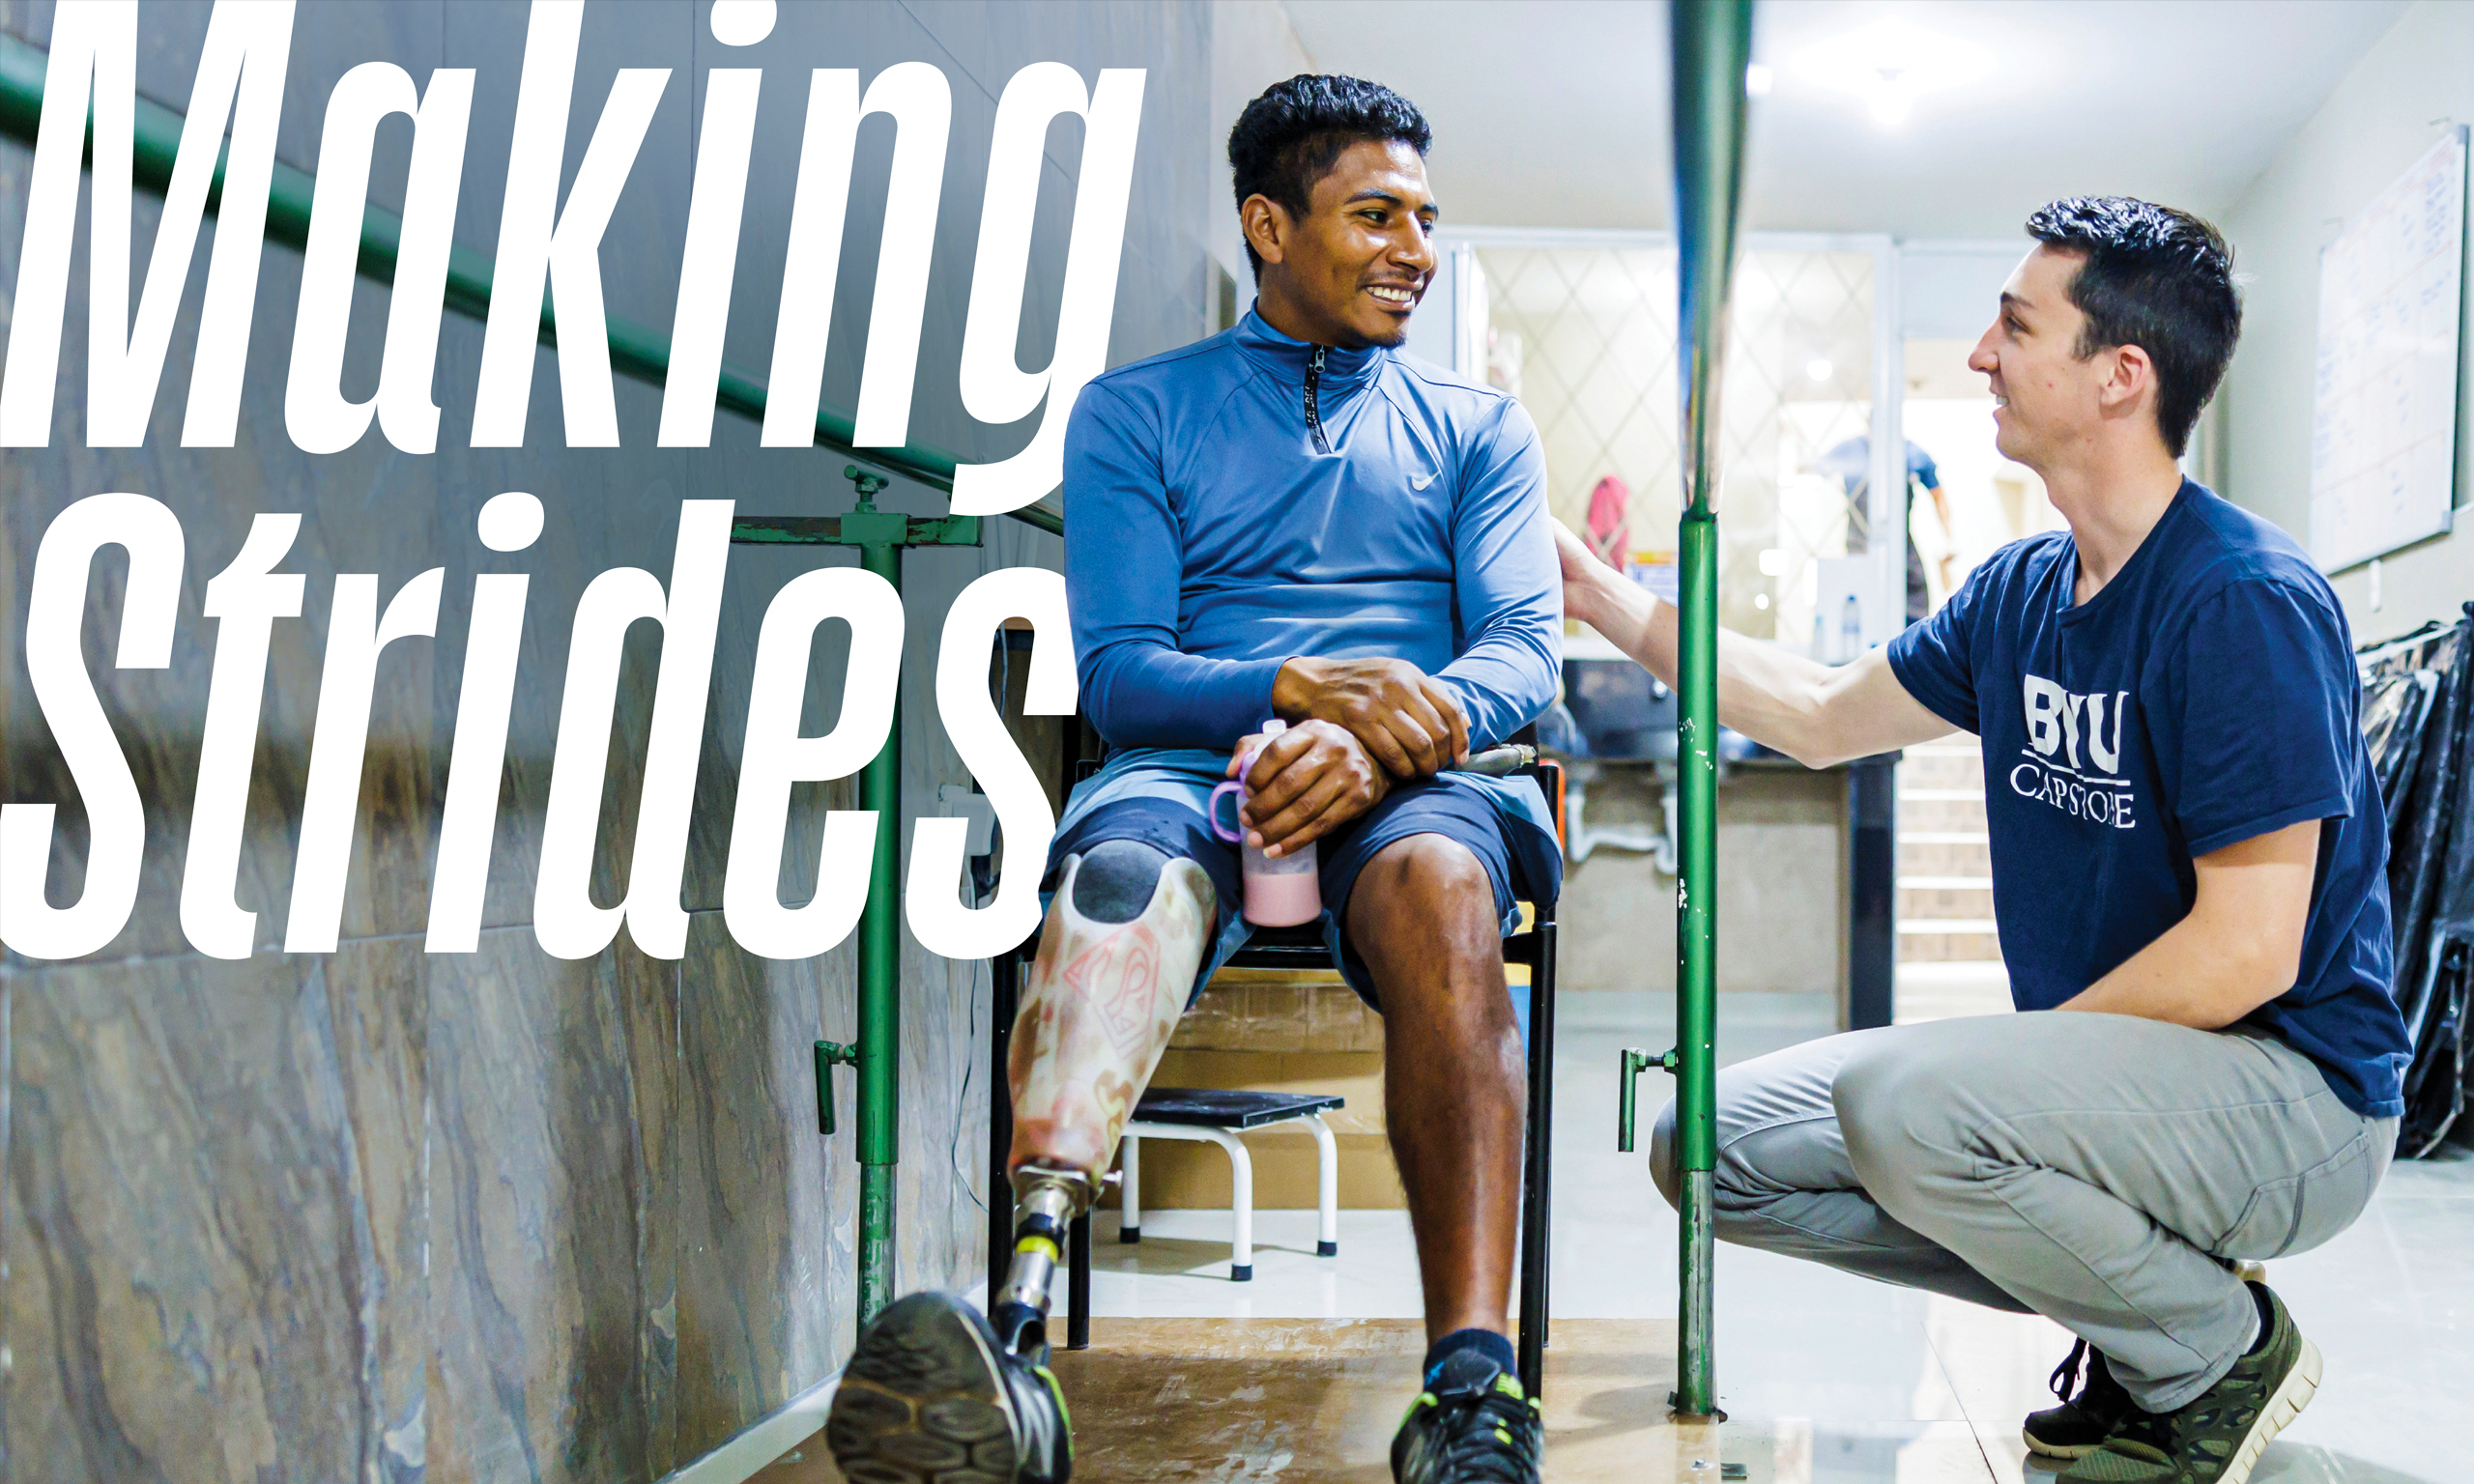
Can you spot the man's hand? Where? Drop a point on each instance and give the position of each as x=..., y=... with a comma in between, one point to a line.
x=1309, y=780
x=1585, y=574
x=1403, y=716
x=1817, y=714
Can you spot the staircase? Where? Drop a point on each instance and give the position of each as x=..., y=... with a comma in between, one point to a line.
x=1949, y=958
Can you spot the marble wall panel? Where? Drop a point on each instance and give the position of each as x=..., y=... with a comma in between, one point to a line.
x=765, y=1203
x=553, y=1174
x=217, y=1218
x=940, y=1188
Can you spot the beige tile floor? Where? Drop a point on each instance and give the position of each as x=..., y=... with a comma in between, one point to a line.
x=1827, y=1379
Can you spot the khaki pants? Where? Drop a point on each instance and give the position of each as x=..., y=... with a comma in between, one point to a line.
x=2101, y=1170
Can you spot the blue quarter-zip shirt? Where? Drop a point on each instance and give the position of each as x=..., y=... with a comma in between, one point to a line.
x=1250, y=499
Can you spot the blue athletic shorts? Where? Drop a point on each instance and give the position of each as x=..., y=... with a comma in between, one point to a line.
x=1157, y=796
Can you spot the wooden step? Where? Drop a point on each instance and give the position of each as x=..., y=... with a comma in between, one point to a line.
x=1938, y=990
x=1941, y=771
x=1928, y=898
x=1951, y=853
x=1941, y=811
x=1929, y=940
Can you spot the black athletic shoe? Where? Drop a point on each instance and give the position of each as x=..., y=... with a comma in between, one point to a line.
x=928, y=1397
x=1473, y=1425
x=2093, y=1405
x=2217, y=1436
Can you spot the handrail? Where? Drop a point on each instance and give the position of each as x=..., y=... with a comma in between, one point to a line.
x=636, y=351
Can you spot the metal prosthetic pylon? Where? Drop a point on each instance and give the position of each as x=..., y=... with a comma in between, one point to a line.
x=1046, y=1203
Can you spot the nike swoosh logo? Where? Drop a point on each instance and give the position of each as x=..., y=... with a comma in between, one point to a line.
x=1419, y=481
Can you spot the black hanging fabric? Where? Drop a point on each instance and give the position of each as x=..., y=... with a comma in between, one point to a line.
x=2418, y=718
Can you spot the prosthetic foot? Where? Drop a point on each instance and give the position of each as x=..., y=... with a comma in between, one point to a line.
x=929, y=1397
x=935, y=1394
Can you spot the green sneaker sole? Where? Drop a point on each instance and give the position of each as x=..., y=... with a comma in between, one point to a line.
x=2063, y=1450
x=922, y=1401
x=2292, y=1394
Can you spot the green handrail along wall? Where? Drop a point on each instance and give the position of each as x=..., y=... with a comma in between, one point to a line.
x=643, y=355
x=1712, y=45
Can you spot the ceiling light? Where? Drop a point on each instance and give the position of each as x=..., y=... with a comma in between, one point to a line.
x=1756, y=81
x=1761, y=600
x=1774, y=562
x=1892, y=93
x=1819, y=369
x=1891, y=65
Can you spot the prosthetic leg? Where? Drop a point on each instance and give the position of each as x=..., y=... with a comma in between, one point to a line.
x=933, y=1391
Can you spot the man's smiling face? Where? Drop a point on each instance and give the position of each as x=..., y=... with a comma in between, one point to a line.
x=1352, y=269
x=2046, y=397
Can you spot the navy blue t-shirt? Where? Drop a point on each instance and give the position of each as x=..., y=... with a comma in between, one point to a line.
x=2204, y=695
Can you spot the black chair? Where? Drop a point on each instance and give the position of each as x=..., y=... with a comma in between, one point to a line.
x=1302, y=948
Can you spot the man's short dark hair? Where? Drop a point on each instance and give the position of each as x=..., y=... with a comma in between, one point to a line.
x=2156, y=278
x=1289, y=138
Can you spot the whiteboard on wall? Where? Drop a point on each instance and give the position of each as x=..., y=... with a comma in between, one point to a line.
x=2383, y=433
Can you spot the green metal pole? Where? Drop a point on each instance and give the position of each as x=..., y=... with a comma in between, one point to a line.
x=1696, y=962
x=1713, y=44
x=880, y=967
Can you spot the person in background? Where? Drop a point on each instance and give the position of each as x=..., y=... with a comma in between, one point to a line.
x=1851, y=463
x=1610, y=528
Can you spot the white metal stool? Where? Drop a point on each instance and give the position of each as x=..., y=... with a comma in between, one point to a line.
x=1212, y=1115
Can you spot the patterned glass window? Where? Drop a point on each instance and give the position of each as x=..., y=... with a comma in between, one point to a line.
x=1584, y=336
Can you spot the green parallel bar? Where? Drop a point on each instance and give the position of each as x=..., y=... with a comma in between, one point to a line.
x=635, y=350
x=879, y=991
x=1711, y=46
x=827, y=531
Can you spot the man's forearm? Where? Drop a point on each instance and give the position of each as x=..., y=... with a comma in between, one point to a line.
x=2190, y=976
x=1148, y=694
x=1767, y=694
x=2239, y=946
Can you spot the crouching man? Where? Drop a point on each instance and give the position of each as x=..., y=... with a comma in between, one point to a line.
x=2188, y=872
x=1288, y=521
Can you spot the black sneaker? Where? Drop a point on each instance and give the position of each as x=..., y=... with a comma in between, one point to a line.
x=2093, y=1403
x=1472, y=1424
x=929, y=1397
x=2218, y=1436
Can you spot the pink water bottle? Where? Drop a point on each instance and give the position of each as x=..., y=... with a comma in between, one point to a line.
x=1281, y=891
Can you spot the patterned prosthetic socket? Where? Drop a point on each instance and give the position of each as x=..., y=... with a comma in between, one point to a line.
x=1125, y=936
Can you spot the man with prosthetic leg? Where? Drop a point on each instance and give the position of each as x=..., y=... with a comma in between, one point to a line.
x=1290, y=521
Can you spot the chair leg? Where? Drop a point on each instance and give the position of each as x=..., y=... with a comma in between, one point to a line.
x=1004, y=978
x=1327, y=1171
x=1241, y=1201
x=1536, y=1240
x=1077, y=1283
x=1129, y=1190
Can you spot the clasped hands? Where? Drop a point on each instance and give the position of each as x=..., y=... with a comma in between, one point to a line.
x=1356, y=728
